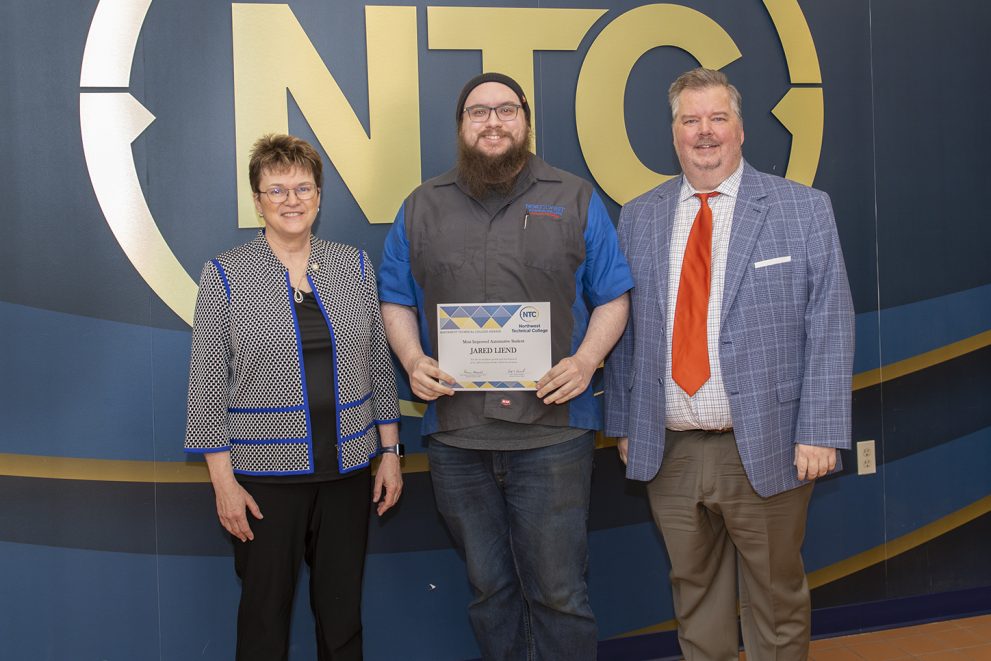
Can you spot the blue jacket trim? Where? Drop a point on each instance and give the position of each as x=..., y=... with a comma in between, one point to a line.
x=357, y=434
x=225, y=448
x=357, y=402
x=302, y=370
x=333, y=357
x=267, y=409
x=270, y=441
x=223, y=278
x=272, y=473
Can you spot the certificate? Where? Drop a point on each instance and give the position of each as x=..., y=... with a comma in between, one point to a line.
x=494, y=346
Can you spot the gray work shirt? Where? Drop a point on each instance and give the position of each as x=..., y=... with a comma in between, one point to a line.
x=551, y=239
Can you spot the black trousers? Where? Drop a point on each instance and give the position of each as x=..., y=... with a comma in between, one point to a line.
x=325, y=523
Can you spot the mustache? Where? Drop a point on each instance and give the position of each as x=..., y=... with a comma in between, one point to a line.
x=498, y=133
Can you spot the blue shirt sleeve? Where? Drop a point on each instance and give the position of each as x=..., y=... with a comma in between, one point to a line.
x=607, y=275
x=395, y=278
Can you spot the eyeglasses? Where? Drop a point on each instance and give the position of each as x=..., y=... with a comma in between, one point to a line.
x=278, y=194
x=506, y=112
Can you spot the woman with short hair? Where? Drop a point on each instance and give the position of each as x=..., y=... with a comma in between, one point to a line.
x=291, y=393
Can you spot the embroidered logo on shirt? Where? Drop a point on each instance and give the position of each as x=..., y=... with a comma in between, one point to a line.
x=546, y=210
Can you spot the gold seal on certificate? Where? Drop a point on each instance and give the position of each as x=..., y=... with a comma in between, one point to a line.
x=494, y=346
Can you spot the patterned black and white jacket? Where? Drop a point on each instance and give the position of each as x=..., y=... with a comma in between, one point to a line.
x=246, y=383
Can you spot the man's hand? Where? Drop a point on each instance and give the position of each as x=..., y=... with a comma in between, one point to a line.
x=426, y=379
x=813, y=461
x=402, y=328
x=388, y=479
x=571, y=376
x=566, y=380
x=232, y=501
x=623, y=447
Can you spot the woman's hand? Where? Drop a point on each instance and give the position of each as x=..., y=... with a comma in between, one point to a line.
x=232, y=499
x=388, y=483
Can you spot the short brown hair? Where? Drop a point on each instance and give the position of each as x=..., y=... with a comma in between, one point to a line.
x=277, y=152
x=700, y=79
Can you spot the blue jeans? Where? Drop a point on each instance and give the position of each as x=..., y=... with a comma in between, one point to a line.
x=521, y=518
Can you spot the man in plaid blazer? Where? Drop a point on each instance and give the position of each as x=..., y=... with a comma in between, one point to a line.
x=730, y=463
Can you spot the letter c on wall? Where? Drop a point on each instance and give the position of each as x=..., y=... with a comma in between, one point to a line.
x=599, y=99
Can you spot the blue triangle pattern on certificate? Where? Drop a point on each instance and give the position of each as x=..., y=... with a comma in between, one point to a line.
x=509, y=385
x=476, y=316
x=511, y=309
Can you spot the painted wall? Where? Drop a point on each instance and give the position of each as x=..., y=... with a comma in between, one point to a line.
x=125, y=125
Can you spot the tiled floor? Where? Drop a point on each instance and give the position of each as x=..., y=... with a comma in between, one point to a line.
x=968, y=639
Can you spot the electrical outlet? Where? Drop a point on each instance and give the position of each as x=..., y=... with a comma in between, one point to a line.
x=866, y=459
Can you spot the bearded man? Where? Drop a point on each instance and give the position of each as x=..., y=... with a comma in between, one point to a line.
x=510, y=469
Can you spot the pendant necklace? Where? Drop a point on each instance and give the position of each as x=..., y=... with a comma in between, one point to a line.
x=297, y=295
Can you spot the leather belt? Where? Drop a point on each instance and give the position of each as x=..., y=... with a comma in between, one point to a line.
x=725, y=430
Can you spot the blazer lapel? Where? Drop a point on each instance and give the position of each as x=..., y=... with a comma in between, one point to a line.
x=748, y=217
x=667, y=205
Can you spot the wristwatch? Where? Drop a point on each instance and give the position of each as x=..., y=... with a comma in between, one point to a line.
x=399, y=450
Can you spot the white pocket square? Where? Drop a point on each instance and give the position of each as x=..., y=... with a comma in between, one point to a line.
x=771, y=262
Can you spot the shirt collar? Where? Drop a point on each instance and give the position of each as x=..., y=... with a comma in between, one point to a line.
x=542, y=171
x=730, y=186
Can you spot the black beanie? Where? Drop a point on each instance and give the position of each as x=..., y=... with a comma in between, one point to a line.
x=490, y=77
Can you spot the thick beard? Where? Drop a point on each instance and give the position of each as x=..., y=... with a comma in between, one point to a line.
x=485, y=175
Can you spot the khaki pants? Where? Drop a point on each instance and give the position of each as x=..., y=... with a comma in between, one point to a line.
x=710, y=517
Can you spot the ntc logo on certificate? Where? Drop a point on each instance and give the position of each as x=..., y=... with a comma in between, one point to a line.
x=494, y=346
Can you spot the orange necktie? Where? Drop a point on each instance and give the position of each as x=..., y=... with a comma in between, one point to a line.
x=689, y=344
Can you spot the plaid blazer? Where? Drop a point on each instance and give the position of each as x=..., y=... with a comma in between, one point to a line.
x=786, y=337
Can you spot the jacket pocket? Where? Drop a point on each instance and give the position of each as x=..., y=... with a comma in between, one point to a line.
x=440, y=247
x=789, y=390
x=551, y=244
